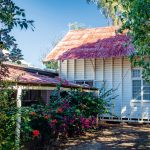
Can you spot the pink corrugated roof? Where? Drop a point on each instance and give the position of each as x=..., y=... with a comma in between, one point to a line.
x=91, y=43
x=23, y=77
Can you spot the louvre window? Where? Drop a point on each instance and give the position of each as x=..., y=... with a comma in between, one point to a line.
x=136, y=89
x=140, y=88
x=146, y=90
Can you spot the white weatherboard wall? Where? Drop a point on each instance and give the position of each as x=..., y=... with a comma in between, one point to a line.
x=117, y=85
x=70, y=70
x=108, y=78
x=89, y=66
x=114, y=73
x=64, y=69
x=79, y=69
x=99, y=74
x=127, y=89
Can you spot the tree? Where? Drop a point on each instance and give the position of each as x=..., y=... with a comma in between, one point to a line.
x=54, y=63
x=76, y=26
x=7, y=115
x=108, y=8
x=15, y=55
x=133, y=16
x=11, y=16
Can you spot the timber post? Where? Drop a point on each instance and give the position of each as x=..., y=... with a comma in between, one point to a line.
x=18, y=119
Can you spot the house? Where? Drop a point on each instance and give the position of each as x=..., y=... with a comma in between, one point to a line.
x=99, y=57
x=35, y=84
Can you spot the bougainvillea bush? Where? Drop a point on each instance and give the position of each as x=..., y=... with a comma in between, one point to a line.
x=67, y=114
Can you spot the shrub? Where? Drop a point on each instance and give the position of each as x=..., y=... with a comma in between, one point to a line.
x=67, y=114
x=7, y=116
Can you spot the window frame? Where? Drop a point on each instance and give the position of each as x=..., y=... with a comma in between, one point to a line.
x=28, y=96
x=142, y=85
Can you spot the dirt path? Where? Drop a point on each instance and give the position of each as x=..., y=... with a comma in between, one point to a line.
x=113, y=136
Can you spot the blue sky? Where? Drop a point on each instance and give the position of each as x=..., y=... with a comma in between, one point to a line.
x=51, y=21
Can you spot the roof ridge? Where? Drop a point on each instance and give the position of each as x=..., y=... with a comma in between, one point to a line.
x=93, y=28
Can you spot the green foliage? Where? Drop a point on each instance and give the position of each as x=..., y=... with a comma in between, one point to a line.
x=110, y=8
x=15, y=55
x=8, y=117
x=136, y=18
x=133, y=16
x=68, y=113
x=76, y=26
x=11, y=16
x=52, y=65
x=86, y=103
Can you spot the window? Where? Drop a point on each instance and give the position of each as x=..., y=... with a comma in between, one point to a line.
x=85, y=82
x=136, y=89
x=31, y=97
x=140, y=88
x=146, y=90
x=136, y=73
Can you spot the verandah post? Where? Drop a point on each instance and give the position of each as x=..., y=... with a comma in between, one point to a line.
x=18, y=119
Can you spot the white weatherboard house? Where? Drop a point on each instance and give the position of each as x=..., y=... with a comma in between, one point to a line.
x=99, y=56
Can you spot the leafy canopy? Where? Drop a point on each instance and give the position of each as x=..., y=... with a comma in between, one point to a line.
x=133, y=16
x=11, y=16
